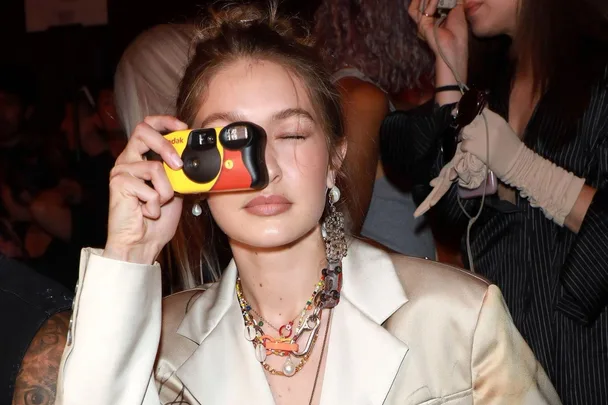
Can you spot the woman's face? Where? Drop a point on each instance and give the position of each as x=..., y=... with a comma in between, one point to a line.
x=489, y=18
x=297, y=157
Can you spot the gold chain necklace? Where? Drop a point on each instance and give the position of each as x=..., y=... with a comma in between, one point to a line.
x=288, y=365
x=286, y=330
x=327, y=298
x=284, y=347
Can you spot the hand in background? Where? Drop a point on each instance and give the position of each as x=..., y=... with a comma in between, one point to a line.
x=504, y=143
x=452, y=38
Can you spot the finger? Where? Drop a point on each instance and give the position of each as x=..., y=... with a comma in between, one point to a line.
x=436, y=181
x=428, y=203
x=414, y=8
x=422, y=209
x=431, y=8
x=165, y=123
x=146, y=138
x=148, y=171
x=128, y=186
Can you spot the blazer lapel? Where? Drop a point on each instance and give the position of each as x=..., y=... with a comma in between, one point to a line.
x=363, y=357
x=223, y=370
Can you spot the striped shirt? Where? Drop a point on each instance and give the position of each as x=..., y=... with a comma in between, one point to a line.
x=555, y=282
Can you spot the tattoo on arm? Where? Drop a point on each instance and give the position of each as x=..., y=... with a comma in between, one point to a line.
x=36, y=382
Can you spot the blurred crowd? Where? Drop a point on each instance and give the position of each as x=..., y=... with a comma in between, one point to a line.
x=54, y=181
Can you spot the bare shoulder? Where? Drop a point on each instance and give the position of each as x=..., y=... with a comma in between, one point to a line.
x=36, y=382
x=421, y=277
x=356, y=90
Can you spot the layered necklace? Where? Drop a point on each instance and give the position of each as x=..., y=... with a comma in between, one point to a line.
x=291, y=343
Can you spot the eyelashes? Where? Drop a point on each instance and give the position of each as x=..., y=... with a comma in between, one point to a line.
x=294, y=137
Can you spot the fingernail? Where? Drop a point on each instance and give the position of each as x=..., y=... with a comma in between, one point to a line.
x=176, y=160
x=182, y=124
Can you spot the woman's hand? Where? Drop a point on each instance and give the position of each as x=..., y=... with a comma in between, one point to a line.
x=143, y=219
x=547, y=186
x=452, y=38
x=503, y=146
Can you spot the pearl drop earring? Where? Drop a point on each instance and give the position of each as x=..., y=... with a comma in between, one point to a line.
x=334, y=194
x=197, y=210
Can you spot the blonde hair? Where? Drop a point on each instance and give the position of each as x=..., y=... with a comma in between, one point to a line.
x=149, y=72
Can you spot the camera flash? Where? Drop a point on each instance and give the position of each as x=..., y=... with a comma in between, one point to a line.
x=237, y=133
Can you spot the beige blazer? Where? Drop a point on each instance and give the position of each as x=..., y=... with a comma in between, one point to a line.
x=407, y=331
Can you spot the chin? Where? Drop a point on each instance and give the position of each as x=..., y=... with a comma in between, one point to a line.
x=272, y=237
x=484, y=29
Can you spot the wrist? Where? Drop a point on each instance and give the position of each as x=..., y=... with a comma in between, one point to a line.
x=445, y=77
x=131, y=254
x=547, y=186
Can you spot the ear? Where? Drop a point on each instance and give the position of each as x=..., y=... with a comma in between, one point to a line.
x=336, y=164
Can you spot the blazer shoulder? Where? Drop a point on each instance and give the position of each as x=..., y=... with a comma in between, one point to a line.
x=422, y=277
x=176, y=306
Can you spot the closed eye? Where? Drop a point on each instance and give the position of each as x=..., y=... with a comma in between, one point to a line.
x=293, y=136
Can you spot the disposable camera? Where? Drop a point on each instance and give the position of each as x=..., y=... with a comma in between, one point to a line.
x=446, y=4
x=231, y=158
x=443, y=5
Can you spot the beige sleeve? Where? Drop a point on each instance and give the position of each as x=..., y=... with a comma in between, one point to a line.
x=114, y=334
x=504, y=369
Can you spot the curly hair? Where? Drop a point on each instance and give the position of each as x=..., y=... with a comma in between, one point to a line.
x=378, y=37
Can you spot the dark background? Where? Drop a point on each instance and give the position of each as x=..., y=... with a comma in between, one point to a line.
x=63, y=59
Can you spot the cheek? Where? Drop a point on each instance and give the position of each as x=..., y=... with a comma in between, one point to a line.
x=224, y=208
x=305, y=164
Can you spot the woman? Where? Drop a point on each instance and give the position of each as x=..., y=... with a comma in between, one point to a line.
x=148, y=73
x=373, y=51
x=290, y=321
x=542, y=238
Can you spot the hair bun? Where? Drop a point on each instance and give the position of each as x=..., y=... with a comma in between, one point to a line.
x=242, y=16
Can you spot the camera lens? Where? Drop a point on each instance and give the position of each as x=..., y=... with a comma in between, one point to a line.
x=193, y=163
x=201, y=166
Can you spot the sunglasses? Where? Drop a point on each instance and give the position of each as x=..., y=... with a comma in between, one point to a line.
x=471, y=104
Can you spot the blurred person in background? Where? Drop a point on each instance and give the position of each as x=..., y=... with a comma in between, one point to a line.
x=35, y=311
x=148, y=74
x=30, y=164
x=376, y=58
x=543, y=236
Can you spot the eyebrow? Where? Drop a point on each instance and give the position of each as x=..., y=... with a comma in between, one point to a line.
x=292, y=112
x=222, y=116
x=233, y=116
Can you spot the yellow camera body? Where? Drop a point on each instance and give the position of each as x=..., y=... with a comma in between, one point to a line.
x=231, y=158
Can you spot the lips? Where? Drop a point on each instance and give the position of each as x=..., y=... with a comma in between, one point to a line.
x=268, y=205
x=471, y=7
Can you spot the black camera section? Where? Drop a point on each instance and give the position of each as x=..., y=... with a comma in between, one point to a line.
x=251, y=140
x=202, y=160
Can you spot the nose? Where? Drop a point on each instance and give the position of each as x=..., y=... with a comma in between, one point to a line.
x=272, y=164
